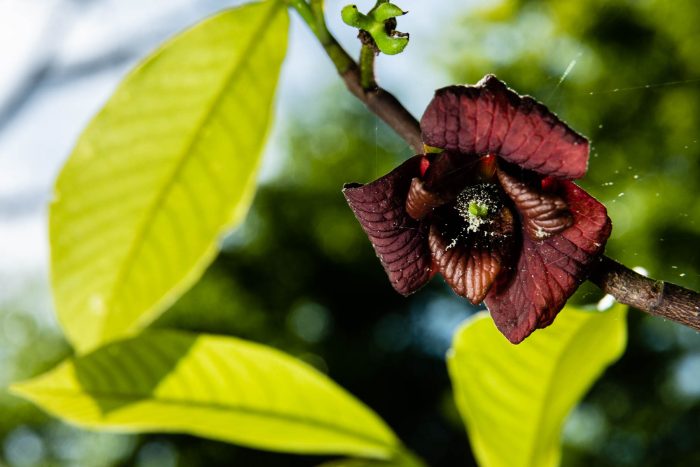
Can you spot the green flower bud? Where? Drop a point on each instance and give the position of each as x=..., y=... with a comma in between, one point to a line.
x=379, y=24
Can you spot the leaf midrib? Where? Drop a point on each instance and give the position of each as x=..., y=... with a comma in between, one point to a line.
x=289, y=418
x=548, y=391
x=159, y=201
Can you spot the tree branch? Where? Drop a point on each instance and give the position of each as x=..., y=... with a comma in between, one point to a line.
x=656, y=297
x=386, y=107
x=378, y=100
x=367, y=55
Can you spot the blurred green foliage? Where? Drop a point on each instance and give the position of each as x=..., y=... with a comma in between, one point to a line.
x=301, y=276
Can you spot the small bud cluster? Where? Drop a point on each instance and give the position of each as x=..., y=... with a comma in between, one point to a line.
x=380, y=24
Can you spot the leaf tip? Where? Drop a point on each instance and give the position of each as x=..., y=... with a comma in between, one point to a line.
x=21, y=389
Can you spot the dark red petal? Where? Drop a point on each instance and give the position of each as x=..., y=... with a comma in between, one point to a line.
x=448, y=173
x=544, y=213
x=469, y=270
x=421, y=202
x=490, y=117
x=401, y=243
x=549, y=271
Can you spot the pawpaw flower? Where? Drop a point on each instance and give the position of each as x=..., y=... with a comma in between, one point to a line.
x=491, y=207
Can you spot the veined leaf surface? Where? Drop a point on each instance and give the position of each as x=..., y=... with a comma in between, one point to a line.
x=514, y=398
x=167, y=166
x=211, y=386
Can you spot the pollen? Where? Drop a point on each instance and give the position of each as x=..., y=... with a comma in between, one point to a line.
x=477, y=204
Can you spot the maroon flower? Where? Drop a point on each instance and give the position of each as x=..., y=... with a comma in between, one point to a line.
x=493, y=211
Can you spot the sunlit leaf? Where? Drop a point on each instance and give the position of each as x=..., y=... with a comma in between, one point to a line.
x=211, y=386
x=514, y=398
x=167, y=166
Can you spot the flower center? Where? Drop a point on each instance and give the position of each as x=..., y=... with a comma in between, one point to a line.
x=477, y=205
x=477, y=218
x=478, y=209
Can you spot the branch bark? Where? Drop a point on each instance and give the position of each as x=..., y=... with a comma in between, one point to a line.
x=386, y=107
x=653, y=296
x=656, y=297
x=378, y=100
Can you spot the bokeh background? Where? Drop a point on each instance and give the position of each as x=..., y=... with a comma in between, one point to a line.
x=300, y=275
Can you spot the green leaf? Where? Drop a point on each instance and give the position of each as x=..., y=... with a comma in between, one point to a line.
x=211, y=386
x=514, y=398
x=404, y=459
x=167, y=166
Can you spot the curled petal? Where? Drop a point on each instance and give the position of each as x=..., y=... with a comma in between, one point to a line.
x=421, y=202
x=490, y=117
x=401, y=243
x=549, y=271
x=468, y=269
x=544, y=213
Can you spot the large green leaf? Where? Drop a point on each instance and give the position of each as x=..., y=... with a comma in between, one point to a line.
x=514, y=398
x=212, y=386
x=162, y=171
